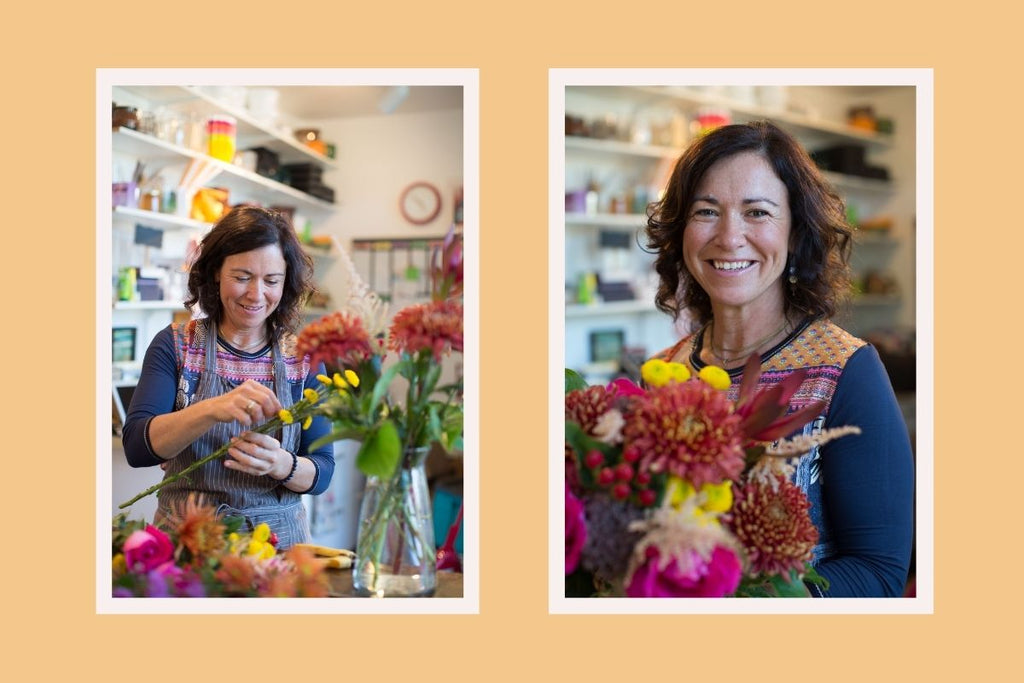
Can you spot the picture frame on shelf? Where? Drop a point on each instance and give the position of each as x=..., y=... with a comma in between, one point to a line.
x=122, y=342
x=606, y=345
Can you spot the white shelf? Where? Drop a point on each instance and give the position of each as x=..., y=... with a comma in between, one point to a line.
x=166, y=221
x=876, y=300
x=634, y=307
x=148, y=306
x=327, y=254
x=745, y=111
x=615, y=220
x=858, y=183
x=140, y=145
x=619, y=147
x=250, y=131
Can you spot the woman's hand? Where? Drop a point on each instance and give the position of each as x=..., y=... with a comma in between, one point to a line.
x=249, y=403
x=259, y=455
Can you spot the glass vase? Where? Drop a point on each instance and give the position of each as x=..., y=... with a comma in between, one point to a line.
x=395, y=550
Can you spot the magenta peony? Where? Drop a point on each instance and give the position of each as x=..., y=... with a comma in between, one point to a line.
x=147, y=549
x=659, y=577
x=575, y=531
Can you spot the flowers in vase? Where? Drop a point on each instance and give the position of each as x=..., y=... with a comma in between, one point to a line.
x=679, y=491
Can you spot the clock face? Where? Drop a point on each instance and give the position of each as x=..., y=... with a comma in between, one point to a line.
x=420, y=203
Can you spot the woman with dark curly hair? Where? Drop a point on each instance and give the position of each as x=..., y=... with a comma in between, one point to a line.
x=207, y=381
x=753, y=246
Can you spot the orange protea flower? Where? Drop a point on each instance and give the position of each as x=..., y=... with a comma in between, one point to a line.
x=687, y=429
x=770, y=517
x=198, y=529
x=301, y=575
x=237, y=575
x=435, y=326
x=338, y=339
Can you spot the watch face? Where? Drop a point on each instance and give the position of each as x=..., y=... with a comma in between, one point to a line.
x=420, y=203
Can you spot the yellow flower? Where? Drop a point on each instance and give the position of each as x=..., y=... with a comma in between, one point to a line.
x=311, y=395
x=285, y=416
x=261, y=532
x=717, y=497
x=255, y=547
x=680, y=373
x=656, y=372
x=352, y=378
x=339, y=381
x=325, y=380
x=307, y=422
x=680, y=490
x=715, y=376
x=267, y=552
x=118, y=564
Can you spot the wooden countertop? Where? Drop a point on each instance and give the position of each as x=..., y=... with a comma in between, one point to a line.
x=449, y=584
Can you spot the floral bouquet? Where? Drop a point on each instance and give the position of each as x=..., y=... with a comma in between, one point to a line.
x=369, y=363
x=201, y=555
x=674, y=490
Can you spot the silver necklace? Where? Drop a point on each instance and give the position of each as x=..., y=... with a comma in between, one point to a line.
x=741, y=354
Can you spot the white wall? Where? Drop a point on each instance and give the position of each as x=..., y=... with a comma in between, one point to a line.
x=378, y=157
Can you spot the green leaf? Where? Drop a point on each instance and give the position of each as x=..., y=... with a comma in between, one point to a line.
x=574, y=381
x=381, y=386
x=380, y=451
x=337, y=435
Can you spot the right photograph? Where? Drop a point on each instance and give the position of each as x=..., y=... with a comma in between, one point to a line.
x=745, y=257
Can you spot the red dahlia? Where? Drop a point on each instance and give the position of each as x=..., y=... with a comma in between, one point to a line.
x=338, y=339
x=435, y=326
x=688, y=429
x=771, y=520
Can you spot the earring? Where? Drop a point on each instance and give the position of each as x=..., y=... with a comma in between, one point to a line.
x=792, y=274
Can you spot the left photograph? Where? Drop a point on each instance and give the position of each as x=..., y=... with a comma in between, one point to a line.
x=286, y=279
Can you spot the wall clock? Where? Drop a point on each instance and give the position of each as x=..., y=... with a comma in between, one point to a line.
x=420, y=203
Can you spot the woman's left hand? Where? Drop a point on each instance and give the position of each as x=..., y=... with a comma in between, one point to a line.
x=259, y=455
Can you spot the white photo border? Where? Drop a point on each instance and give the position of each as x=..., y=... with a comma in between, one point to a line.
x=919, y=78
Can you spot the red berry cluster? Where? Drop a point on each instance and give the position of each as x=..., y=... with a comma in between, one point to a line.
x=623, y=479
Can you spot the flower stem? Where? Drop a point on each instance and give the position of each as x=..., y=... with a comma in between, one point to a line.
x=300, y=410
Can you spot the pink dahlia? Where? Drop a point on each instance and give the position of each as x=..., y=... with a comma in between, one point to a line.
x=771, y=520
x=575, y=531
x=689, y=575
x=435, y=326
x=688, y=429
x=338, y=340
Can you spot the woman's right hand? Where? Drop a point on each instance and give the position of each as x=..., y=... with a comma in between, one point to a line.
x=249, y=403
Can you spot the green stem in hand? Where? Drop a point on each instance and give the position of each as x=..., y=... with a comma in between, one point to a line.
x=299, y=411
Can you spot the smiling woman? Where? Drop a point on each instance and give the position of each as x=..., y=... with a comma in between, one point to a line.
x=213, y=378
x=752, y=243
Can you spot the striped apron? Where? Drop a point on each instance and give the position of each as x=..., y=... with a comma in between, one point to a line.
x=255, y=498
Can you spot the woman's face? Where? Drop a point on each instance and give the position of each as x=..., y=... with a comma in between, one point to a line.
x=251, y=284
x=737, y=234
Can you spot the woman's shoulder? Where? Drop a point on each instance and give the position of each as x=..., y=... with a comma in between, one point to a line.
x=821, y=344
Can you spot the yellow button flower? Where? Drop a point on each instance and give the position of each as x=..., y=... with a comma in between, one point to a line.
x=715, y=376
x=311, y=395
x=656, y=372
x=339, y=381
x=325, y=380
x=717, y=497
x=352, y=378
x=307, y=422
x=680, y=373
x=285, y=416
x=680, y=489
x=261, y=532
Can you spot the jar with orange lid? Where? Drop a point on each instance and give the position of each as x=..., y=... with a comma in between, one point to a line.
x=221, y=133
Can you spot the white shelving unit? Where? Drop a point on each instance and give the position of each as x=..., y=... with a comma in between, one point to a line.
x=169, y=160
x=619, y=164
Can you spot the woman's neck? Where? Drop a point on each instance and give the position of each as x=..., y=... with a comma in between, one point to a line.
x=734, y=335
x=244, y=339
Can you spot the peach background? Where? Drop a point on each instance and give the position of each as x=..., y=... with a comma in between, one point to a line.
x=49, y=121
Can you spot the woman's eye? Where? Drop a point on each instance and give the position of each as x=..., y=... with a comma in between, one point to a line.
x=758, y=213
x=705, y=212
x=273, y=283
